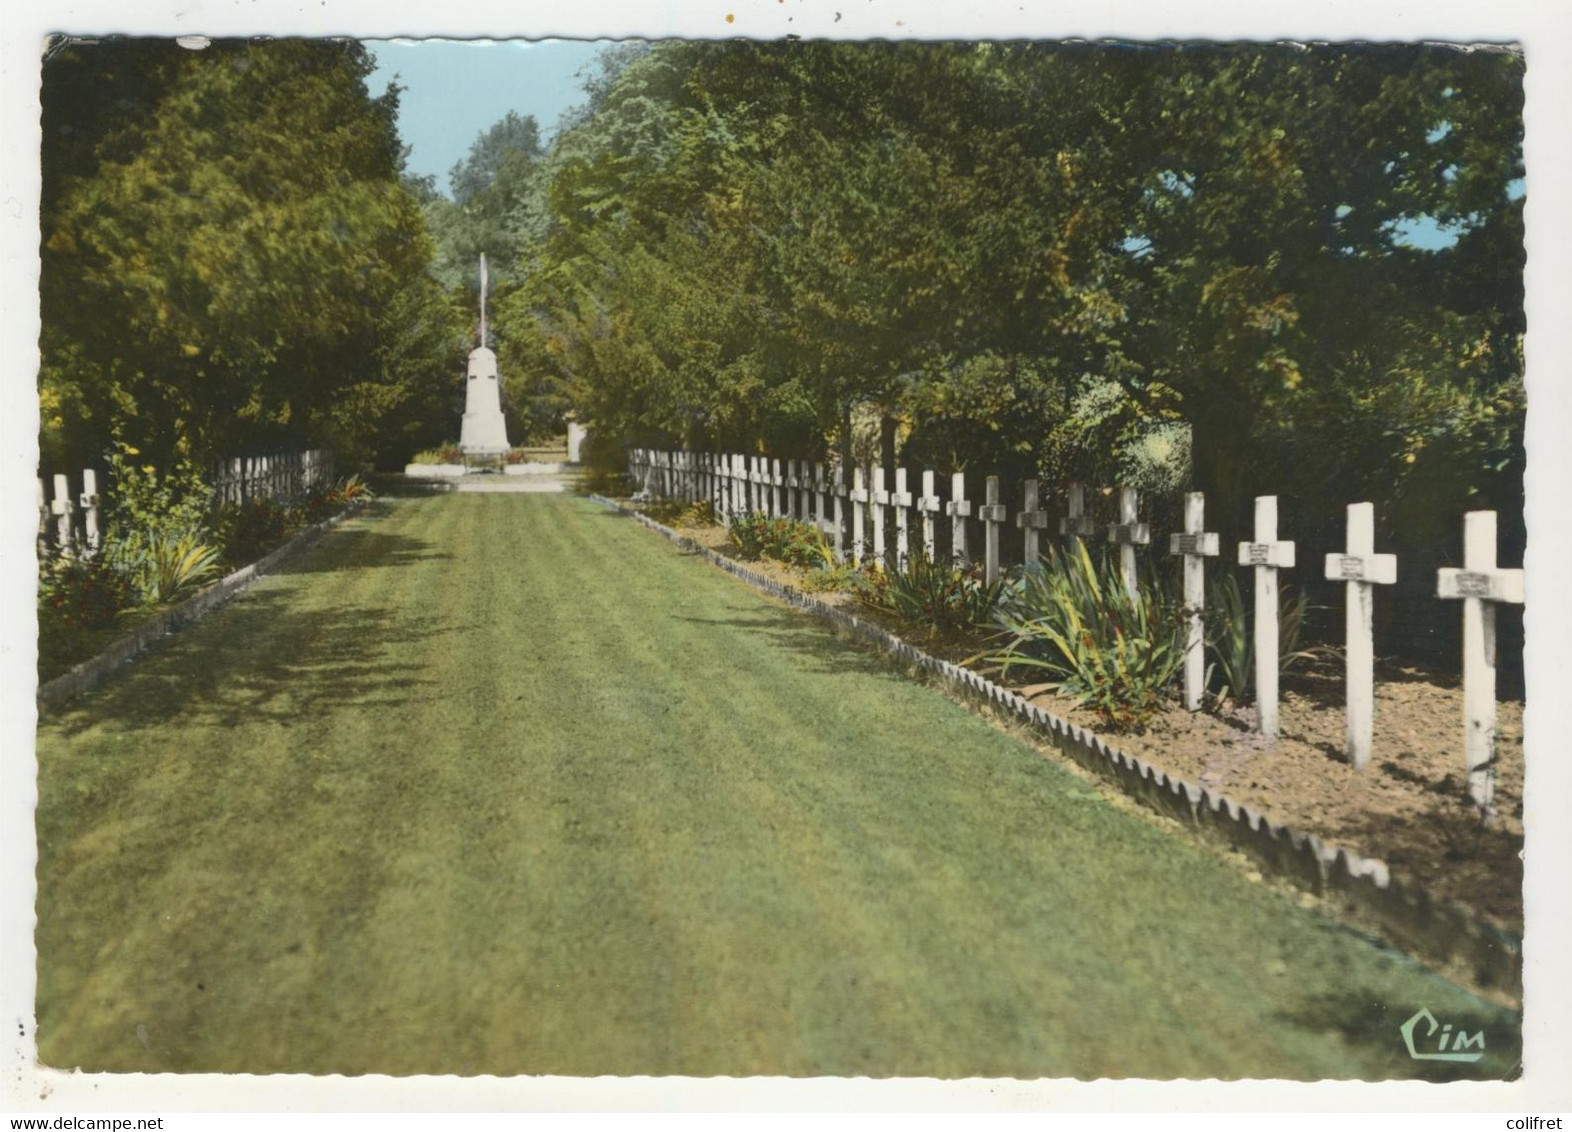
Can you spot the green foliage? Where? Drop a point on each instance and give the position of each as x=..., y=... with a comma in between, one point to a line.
x=229, y=256
x=249, y=530
x=351, y=489
x=80, y=592
x=172, y=562
x=158, y=535
x=791, y=541
x=1177, y=265
x=941, y=598
x=1075, y=622
x=829, y=579
x=446, y=454
x=1230, y=642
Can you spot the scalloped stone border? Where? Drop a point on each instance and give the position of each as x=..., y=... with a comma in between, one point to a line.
x=88, y=674
x=1430, y=928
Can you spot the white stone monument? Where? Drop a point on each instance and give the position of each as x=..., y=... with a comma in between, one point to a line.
x=576, y=436
x=483, y=431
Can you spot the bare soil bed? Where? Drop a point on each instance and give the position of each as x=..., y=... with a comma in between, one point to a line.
x=1409, y=806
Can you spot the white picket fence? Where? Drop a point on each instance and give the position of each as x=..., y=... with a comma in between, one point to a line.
x=858, y=517
x=71, y=522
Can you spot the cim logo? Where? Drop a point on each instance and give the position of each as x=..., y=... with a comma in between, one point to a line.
x=1448, y=1047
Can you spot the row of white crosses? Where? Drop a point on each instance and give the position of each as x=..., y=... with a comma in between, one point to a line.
x=233, y=481
x=62, y=509
x=1480, y=584
x=812, y=492
x=736, y=484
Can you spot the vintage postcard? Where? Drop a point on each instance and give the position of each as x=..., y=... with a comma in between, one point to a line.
x=783, y=546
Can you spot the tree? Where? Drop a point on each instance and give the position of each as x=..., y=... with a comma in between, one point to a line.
x=218, y=265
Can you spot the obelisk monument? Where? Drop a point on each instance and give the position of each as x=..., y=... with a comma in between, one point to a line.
x=483, y=432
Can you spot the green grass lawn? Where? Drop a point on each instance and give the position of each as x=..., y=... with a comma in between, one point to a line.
x=506, y=784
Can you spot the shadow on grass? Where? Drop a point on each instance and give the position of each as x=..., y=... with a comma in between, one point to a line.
x=259, y=660
x=1374, y=1030
x=821, y=647
x=260, y=657
x=362, y=548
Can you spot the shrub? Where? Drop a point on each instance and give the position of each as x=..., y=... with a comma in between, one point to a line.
x=445, y=454
x=829, y=579
x=81, y=592
x=1230, y=643
x=325, y=500
x=678, y=514
x=158, y=539
x=1075, y=622
x=791, y=541
x=173, y=562
x=249, y=530
x=942, y=598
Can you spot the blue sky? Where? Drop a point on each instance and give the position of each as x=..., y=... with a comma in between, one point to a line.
x=458, y=88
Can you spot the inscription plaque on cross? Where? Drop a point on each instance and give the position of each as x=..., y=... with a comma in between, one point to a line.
x=1361, y=567
x=958, y=508
x=1128, y=533
x=1480, y=585
x=901, y=499
x=1196, y=544
x=928, y=506
x=1031, y=521
x=1268, y=555
x=1077, y=524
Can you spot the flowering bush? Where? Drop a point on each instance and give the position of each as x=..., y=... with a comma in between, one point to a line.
x=159, y=539
x=249, y=530
x=82, y=592
x=786, y=540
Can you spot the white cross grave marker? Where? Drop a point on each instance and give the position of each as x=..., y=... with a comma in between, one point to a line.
x=859, y=499
x=901, y=499
x=837, y=494
x=1128, y=533
x=1480, y=584
x=1031, y=521
x=958, y=508
x=993, y=514
x=1196, y=544
x=927, y=506
x=1268, y=556
x=1077, y=524
x=756, y=477
x=90, y=509
x=1361, y=567
x=878, y=498
x=62, y=507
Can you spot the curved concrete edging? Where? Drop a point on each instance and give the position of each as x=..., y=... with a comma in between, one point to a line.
x=1437, y=930
x=87, y=674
